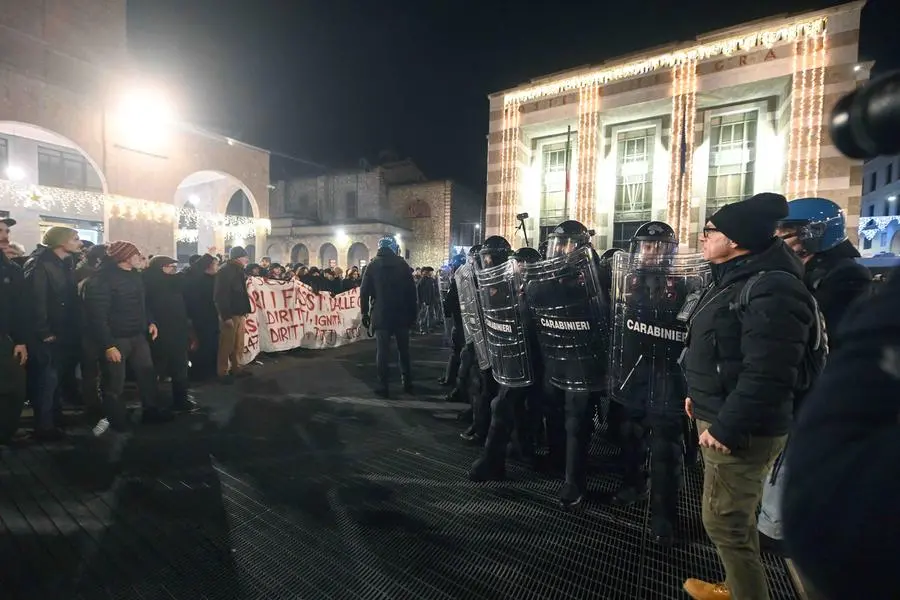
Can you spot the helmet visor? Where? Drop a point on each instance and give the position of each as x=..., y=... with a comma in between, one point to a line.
x=560, y=245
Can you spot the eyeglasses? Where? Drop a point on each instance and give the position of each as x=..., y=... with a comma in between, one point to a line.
x=709, y=230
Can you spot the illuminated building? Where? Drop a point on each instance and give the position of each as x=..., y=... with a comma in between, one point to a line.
x=674, y=133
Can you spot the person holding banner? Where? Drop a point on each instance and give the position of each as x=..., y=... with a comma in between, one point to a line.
x=388, y=284
x=233, y=304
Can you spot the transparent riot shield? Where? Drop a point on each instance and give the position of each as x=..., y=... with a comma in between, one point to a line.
x=498, y=288
x=648, y=329
x=571, y=314
x=470, y=309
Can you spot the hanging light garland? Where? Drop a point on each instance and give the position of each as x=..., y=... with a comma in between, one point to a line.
x=869, y=227
x=687, y=181
x=121, y=207
x=807, y=113
x=588, y=119
x=509, y=171
x=681, y=149
x=700, y=52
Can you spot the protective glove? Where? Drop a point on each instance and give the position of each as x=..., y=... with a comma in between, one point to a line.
x=366, y=321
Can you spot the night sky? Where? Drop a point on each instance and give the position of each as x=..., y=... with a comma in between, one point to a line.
x=334, y=81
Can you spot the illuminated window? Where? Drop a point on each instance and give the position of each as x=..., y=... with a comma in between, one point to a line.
x=732, y=158
x=554, y=206
x=634, y=182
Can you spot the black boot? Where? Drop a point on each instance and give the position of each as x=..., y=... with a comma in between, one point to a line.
x=572, y=496
x=471, y=436
x=181, y=402
x=663, y=519
x=630, y=494
x=487, y=469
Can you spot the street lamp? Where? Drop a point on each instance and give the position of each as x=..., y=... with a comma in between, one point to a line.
x=143, y=115
x=341, y=237
x=15, y=173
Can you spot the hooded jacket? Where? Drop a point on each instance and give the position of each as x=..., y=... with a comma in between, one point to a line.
x=50, y=281
x=742, y=366
x=388, y=282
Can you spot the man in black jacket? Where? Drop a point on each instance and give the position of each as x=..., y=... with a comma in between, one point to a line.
x=55, y=346
x=233, y=303
x=742, y=363
x=165, y=301
x=13, y=335
x=118, y=321
x=389, y=283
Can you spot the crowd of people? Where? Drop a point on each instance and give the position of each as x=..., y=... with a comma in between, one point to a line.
x=680, y=355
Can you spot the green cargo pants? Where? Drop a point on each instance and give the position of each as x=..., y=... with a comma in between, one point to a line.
x=732, y=490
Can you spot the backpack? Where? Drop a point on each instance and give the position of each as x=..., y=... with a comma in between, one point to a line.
x=816, y=348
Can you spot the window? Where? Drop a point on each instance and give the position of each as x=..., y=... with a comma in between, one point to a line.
x=466, y=234
x=553, y=180
x=352, y=203
x=59, y=168
x=732, y=159
x=623, y=232
x=890, y=173
x=873, y=182
x=634, y=182
x=4, y=156
x=872, y=210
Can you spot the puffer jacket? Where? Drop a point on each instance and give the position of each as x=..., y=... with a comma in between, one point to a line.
x=389, y=282
x=115, y=305
x=742, y=366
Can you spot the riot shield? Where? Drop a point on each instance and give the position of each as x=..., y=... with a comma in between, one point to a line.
x=444, y=276
x=498, y=289
x=470, y=309
x=571, y=314
x=648, y=332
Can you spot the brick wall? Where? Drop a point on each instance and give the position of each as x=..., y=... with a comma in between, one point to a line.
x=425, y=209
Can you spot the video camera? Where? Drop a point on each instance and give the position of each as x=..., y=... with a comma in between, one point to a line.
x=866, y=122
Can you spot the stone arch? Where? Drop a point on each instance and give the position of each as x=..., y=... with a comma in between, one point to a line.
x=300, y=254
x=274, y=252
x=211, y=191
x=356, y=254
x=251, y=252
x=327, y=253
x=38, y=134
x=27, y=165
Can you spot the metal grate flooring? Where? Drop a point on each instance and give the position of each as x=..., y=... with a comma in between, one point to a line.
x=274, y=498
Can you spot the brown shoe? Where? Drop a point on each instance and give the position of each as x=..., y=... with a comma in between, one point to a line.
x=703, y=590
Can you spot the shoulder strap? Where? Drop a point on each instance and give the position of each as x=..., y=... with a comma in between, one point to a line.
x=744, y=302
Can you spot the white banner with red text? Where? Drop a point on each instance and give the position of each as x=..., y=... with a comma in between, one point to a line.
x=289, y=314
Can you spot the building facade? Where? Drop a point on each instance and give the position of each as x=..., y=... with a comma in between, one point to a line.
x=84, y=142
x=337, y=218
x=879, y=217
x=676, y=133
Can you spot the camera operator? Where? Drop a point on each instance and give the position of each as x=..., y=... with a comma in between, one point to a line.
x=841, y=522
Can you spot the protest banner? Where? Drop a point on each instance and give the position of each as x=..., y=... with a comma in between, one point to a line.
x=290, y=314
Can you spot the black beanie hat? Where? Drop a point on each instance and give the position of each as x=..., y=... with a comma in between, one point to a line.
x=751, y=223
x=237, y=252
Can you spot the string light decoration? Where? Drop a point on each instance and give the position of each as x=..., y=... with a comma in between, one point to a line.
x=726, y=47
x=509, y=170
x=121, y=207
x=681, y=149
x=687, y=178
x=588, y=119
x=807, y=113
x=869, y=227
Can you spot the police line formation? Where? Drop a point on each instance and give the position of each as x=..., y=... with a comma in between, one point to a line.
x=558, y=332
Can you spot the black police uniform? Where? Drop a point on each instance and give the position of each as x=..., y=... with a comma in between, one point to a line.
x=659, y=431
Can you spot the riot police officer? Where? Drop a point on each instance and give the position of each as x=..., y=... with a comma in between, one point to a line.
x=571, y=313
x=513, y=354
x=650, y=286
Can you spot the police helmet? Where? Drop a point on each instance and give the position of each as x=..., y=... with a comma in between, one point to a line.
x=542, y=249
x=610, y=253
x=654, y=237
x=527, y=255
x=457, y=261
x=475, y=255
x=567, y=237
x=495, y=250
x=818, y=223
x=389, y=241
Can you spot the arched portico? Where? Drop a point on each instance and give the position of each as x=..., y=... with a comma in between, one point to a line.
x=58, y=180
x=215, y=192
x=328, y=253
x=357, y=255
x=300, y=254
